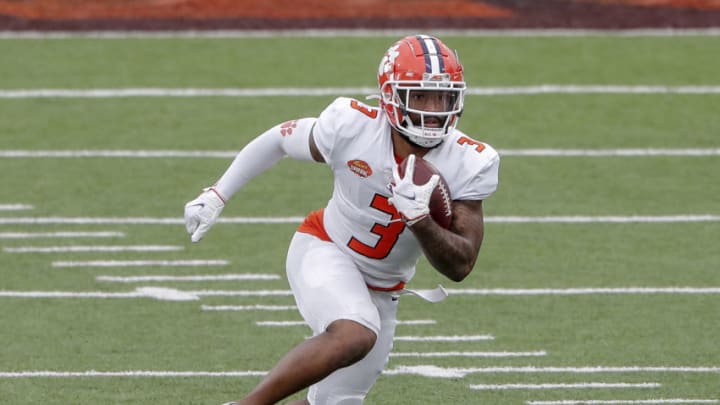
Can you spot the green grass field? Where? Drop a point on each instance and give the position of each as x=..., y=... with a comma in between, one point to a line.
x=544, y=345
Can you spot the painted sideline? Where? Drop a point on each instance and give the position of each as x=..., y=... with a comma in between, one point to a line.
x=332, y=33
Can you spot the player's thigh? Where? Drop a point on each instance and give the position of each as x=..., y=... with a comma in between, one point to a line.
x=327, y=285
x=350, y=385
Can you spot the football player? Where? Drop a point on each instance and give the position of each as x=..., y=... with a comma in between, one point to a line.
x=348, y=262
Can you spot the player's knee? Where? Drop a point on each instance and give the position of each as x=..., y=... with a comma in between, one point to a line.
x=355, y=340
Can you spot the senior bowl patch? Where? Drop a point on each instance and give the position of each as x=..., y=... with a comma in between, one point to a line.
x=360, y=167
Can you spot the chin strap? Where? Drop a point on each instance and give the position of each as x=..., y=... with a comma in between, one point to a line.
x=407, y=138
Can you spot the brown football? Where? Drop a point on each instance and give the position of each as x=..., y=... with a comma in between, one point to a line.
x=440, y=200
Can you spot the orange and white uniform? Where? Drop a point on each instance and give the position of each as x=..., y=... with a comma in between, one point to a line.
x=355, y=141
x=346, y=259
x=350, y=259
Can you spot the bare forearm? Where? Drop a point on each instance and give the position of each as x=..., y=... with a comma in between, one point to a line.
x=452, y=252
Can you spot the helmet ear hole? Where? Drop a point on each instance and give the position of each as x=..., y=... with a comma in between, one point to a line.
x=403, y=95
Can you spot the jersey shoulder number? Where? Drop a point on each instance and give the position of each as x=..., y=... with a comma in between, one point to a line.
x=371, y=112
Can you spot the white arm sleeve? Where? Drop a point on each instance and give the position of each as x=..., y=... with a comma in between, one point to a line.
x=288, y=139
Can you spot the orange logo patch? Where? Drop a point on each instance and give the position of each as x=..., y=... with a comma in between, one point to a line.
x=360, y=167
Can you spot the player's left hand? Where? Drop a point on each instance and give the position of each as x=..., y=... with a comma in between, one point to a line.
x=411, y=200
x=202, y=212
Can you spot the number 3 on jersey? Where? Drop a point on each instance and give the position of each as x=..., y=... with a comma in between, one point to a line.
x=388, y=234
x=369, y=111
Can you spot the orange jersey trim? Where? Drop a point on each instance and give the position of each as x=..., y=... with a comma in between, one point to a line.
x=397, y=287
x=313, y=225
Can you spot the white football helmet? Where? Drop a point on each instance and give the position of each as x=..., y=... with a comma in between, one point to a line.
x=413, y=70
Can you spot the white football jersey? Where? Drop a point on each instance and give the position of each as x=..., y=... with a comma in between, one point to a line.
x=355, y=141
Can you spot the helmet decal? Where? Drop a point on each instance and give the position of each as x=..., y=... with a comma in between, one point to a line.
x=431, y=50
x=388, y=61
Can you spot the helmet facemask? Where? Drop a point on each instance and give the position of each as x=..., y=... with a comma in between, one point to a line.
x=425, y=111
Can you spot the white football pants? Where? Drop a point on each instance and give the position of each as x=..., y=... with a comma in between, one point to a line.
x=328, y=286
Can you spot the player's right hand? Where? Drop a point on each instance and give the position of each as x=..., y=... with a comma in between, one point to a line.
x=202, y=212
x=411, y=200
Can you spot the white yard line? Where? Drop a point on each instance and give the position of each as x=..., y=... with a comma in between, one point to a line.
x=50, y=235
x=416, y=322
x=501, y=291
x=241, y=293
x=544, y=152
x=139, y=263
x=590, y=89
x=103, y=220
x=216, y=277
x=613, y=219
x=86, y=249
x=454, y=338
x=15, y=207
x=626, y=401
x=585, y=291
x=159, y=293
x=71, y=294
x=592, y=385
x=469, y=354
x=286, y=293
x=138, y=373
x=280, y=324
x=400, y=370
x=348, y=91
x=629, y=152
x=257, y=307
x=551, y=219
x=118, y=153
x=410, y=322
x=138, y=220
x=460, y=372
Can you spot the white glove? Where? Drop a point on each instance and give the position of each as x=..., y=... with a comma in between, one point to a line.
x=202, y=212
x=411, y=200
